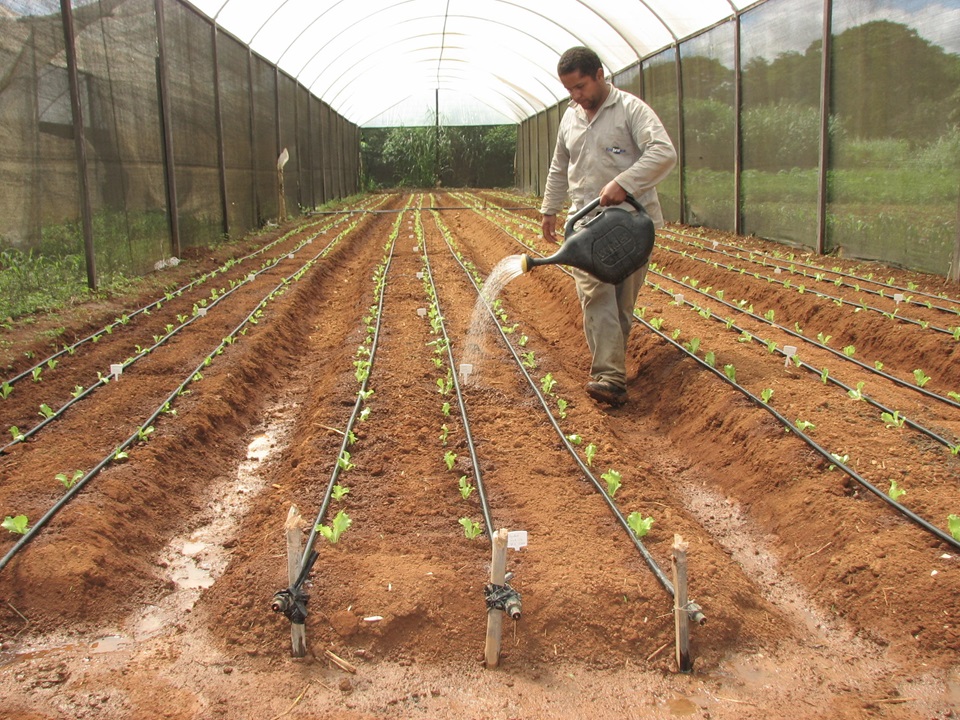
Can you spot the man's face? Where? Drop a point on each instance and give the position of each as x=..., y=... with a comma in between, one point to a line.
x=588, y=92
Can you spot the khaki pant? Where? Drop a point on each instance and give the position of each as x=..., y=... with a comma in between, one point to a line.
x=607, y=319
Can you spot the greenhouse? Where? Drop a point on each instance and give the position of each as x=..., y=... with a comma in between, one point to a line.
x=494, y=359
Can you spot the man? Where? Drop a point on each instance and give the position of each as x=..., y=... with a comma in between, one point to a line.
x=610, y=143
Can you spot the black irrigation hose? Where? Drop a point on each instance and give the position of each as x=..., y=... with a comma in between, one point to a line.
x=909, y=514
x=163, y=408
x=648, y=558
x=310, y=555
x=892, y=378
x=816, y=293
x=806, y=366
x=166, y=298
x=249, y=277
x=461, y=401
x=819, y=269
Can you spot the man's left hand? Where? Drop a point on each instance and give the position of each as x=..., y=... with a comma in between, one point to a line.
x=612, y=194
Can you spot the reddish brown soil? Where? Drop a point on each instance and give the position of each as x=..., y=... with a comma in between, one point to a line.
x=149, y=594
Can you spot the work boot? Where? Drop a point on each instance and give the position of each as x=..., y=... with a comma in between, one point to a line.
x=607, y=392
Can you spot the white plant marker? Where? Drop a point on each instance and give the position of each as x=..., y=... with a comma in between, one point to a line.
x=789, y=351
x=516, y=539
x=777, y=271
x=202, y=312
x=422, y=312
x=116, y=369
x=715, y=244
x=678, y=299
x=465, y=370
x=290, y=256
x=898, y=298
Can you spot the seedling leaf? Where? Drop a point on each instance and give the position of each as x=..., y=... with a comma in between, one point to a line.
x=16, y=525
x=639, y=524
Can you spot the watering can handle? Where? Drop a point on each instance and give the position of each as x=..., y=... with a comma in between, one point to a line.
x=574, y=219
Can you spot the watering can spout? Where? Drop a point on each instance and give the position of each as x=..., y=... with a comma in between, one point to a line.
x=611, y=246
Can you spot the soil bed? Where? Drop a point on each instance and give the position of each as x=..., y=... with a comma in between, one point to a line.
x=149, y=594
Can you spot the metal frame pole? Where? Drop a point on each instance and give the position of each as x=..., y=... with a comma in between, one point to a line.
x=86, y=206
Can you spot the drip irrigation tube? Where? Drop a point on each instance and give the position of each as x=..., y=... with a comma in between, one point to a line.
x=806, y=366
x=163, y=408
x=863, y=482
x=816, y=293
x=648, y=558
x=474, y=461
x=310, y=555
x=854, y=276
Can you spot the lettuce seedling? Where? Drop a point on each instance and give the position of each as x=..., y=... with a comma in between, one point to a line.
x=612, y=478
x=471, y=529
x=444, y=431
x=766, y=395
x=562, y=407
x=16, y=525
x=46, y=411
x=17, y=435
x=896, y=492
x=575, y=439
x=953, y=522
x=339, y=492
x=804, y=425
x=858, y=393
x=69, y=482
x=894, y=420
x=824, y=374
x=5, y=390
x=547, y=383
x=639, y=524
x=590, y=451
x=731, y=372
x=692, y=346
x=450, y=458
x=344, y=461
x=446, y=409
x=920, y=377
x=710, y=358
x=849, y=350
x=465, y=487
x=341, y=522
x=824, y=339
x=37, y=372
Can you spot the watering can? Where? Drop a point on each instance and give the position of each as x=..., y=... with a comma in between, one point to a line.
x=610, y=246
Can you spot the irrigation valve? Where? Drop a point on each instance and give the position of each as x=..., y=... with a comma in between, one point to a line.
x=503, y=597
x=695, y=613
x=292, y=603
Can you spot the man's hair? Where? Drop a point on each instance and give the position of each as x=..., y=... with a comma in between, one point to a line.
x=579, y=59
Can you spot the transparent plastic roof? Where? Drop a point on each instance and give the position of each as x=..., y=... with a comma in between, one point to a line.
x=397, y=62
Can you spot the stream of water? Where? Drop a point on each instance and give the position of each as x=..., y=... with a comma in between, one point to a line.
x=478, y=346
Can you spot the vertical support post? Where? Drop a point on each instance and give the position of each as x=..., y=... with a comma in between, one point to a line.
x=86, y=207
x=498, y=574
x=955, y=262
x=681, y=617
x=826, y=47
x=167, y=123
x=680, y=140
x=293, y=529
x=737, y=130
x=221, y=153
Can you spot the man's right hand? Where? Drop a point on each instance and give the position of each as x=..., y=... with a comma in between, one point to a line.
x=548, y=224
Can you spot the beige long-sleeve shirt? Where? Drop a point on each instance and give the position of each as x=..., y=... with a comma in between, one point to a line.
x=625, y=142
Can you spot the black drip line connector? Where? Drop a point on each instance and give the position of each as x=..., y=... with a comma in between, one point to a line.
x=503, y=597
x=292, y=601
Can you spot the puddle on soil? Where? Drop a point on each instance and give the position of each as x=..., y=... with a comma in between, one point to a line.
x=682, y=706
x=479, y=337
x=194, y=562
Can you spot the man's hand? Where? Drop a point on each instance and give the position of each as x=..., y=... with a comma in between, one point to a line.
x=548, y=223
x=612, y=194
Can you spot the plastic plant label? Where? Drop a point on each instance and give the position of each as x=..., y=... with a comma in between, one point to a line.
x=517, y=539
x=202, y=312
x=116, y=369
x=465, y=370
x=419, y=276
x=898, y=298
x=789, y=351
x=678, y=298
x=289, y=256
x=715, y=244
x=777, y=271
x=422, y=312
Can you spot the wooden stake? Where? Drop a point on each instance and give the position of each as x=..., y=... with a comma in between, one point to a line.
x=681, y=618
x=498, y=574
x=293, y=528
